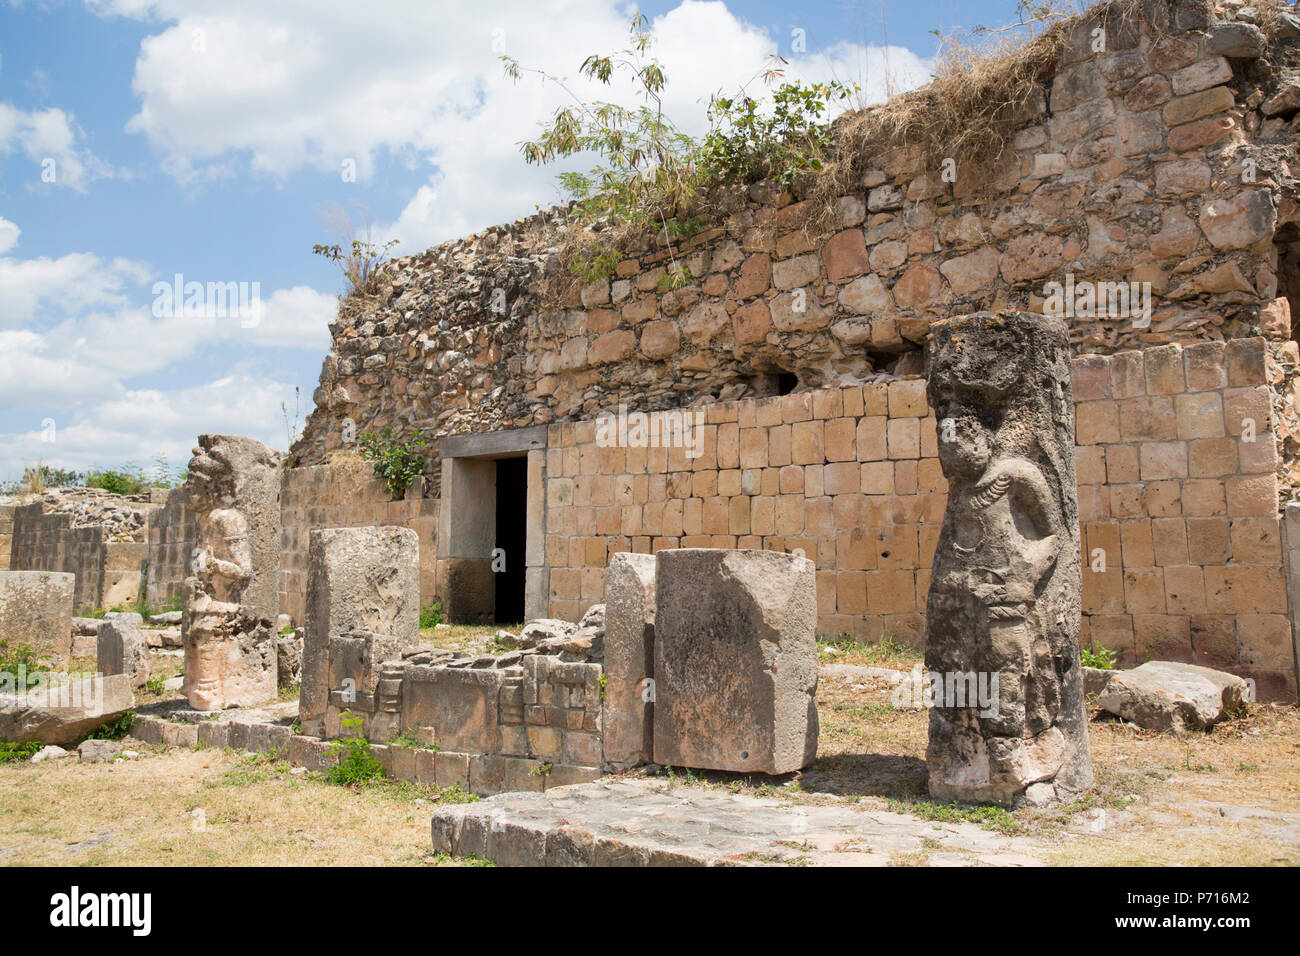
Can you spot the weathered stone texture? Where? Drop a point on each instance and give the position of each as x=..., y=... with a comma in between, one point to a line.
x=735, y=660
x=1005, y=592
x=629, y=659
x=359, y=579
x=232, y=600
x=36, y=609
x=1169, y=696
x=123, y=647
x=62, y=714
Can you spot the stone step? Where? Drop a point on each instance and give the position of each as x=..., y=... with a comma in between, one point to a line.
x=640, y=822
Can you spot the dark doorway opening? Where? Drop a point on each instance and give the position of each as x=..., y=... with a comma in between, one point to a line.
x=508, y=561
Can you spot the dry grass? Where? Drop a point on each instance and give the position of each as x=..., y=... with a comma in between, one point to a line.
x=141, y=813
x=1229, y=797
x=465, y=637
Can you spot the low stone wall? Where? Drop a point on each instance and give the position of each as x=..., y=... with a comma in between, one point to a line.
x=1177, y=494
x=345, y=494
x=484, y=774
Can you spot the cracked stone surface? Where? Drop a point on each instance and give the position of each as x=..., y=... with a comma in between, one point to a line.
x=652, y=823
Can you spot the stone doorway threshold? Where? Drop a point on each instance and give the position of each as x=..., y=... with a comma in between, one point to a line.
x=642, y=822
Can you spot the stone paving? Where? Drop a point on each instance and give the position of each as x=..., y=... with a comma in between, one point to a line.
x=655, y=823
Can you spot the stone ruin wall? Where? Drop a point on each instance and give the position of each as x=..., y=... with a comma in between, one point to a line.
x=1128, y=166
x=108, y=572
x=1160, y=161
x=172, y=533
x=347, y=495
x=1178, y=504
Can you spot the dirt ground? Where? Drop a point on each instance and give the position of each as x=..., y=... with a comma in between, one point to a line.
x=1228, y=797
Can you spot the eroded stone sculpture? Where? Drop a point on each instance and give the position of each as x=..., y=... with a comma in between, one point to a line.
x=1002, y=648
x=232, y=599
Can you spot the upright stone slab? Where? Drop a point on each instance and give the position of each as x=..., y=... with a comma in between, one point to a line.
x=358, y=579
x=232, y=599
x=123, y=648
x=1003, y=610
x=735, y=660
x=36, y=609
x=629, y=659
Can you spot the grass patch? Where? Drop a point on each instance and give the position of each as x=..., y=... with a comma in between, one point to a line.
x=997, y=819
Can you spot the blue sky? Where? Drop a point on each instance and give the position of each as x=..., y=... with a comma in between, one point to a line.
x=208, y=138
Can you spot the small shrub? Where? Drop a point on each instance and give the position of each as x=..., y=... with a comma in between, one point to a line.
x=113, y=729
x=356, y=764
x=359, y=261
x=431, y=614
x=595, y=263
x=154, y=685
x=116, y=482
x=1102, y=658
x=22, y=656
x=17, y=753
x=398, y=462
x=409, y=739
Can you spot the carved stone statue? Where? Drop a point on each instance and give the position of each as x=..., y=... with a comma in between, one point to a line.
x=232, y=599
x=1003, y=610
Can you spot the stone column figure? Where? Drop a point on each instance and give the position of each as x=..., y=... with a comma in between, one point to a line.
x=1002, y=621
x=232, y=597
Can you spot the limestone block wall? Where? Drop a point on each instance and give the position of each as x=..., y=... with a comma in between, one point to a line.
x=173, y=529
x=345, y=494
x=1177, y=466
x=1179, y=507
x=6, y=534
x=49, y=542
x=1156, y=161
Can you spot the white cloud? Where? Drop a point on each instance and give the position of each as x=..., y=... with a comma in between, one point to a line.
x=50, y=139
x=9, y=233
x=314, y=83
x=64, y=286
x=141, y=424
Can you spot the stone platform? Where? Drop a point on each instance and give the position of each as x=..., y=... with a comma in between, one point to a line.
x=640, y=822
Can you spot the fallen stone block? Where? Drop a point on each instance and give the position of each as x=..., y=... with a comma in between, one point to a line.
x=1095, y=680
x=51, y=752
x=545, y=629
x=288, y=659
x=98, y=751
x=1169, y=696
x=735, y=660
x=64, y=713
x=166, y=618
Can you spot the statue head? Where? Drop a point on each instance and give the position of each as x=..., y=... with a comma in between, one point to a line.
x=977, y=369
x=211, y=476
x=221, y=464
